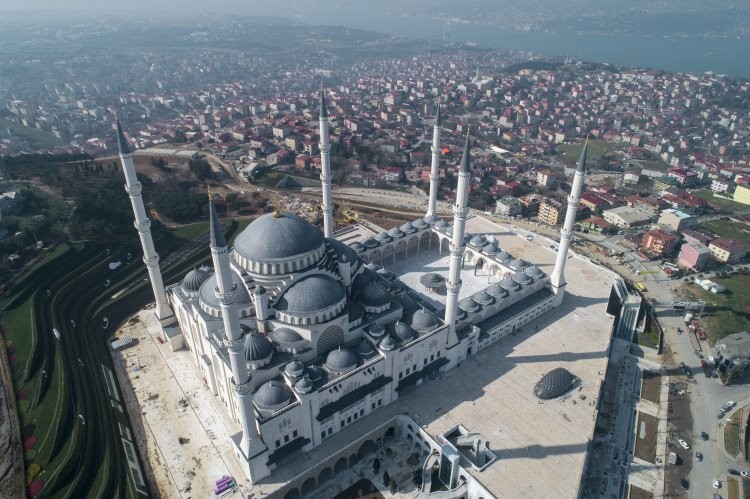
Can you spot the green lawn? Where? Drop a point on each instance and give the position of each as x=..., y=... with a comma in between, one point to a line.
x=723, y=204
x=597, y=149
x=729, y=312
x=190, y=232
x=732, y=434
x=270, y=178
x=648, y=164
x=32, y=134
x=729, y=228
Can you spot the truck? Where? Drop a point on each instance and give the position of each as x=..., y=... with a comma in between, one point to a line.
x=688, y=318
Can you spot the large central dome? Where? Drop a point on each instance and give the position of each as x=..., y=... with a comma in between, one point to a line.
x=273, y=240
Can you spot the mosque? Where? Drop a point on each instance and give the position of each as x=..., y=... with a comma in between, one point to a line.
x=301, y=335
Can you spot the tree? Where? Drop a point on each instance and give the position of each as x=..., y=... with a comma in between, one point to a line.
x=386, y=478
x=376, y=466
x=392, y=486
x=201, y=168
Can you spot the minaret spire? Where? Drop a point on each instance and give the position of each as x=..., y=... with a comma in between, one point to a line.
x=557, y=279
x=250, y=445
x=143, y=226
x=457, y=247
x=431, y=215
x=325, y=164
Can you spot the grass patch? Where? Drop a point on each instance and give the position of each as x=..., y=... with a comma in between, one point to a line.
x=732, y=434
x=729, y=228
x=597, y=149
x=721, y=203
x=270, y=178
x=190, y=232
x=650, y=336
x=31, y=134
x=652, y=164
x=726, y=313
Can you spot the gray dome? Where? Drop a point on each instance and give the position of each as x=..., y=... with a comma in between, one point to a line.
x=388, y=343
x=534, y=272
x=497, y=291
x=408, y=228
x=315, y=373
x=311, y=294
x=208, y=290
x=423, y=321
x=521, y=278
x=387, y=274
x=194, y=279
x=376, y=329
x=357, y=246
x=383, y=237
x=482, y=298
x=478, y=241
x=504, y=256
x=272, y=395
x=374, y=295
x=509, y=284
x=343, y=252
x=286, y=335
x=370, y=243
x=304, y=385
x=469, y=305
x=490, y=249
x=294, y=369
x=341, y=360
x=554, y=383
x=441, y=224
x=395, y=233
x=420, y=224
x=365, y=348
x=270, y=238
x=403, y=331
x=460, y=314
x=257, y=347
x=518, y=264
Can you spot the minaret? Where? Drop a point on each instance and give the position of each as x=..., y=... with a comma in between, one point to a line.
x=143, y=226
x=435, y=170
x=557, y=279
x=325, y=168
x=250, y=444
x=460, y=211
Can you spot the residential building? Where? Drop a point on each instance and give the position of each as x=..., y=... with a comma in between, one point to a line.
x=694, y=256
x=742, y=194
x=508, y=206
x=550, y=211
x=676, y=220
x=546, y=178
x=733, y=355
x=727, y=250
x=659, y=243
x=625, y=217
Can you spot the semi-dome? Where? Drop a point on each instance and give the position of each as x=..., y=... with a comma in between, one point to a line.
x=469, y=305
x=383, y=237
x=286, y=335
x=521, y=278
x=272, y=395
x=478, y=241
x=490, y=249
x=388, y=343
x=534, y=272
x=423, y=321
x=357, y=246
x=482, y=298
x=509, y=284
x=257, y=347
x=365, y=348
x=311, y=294
x=404, y=332
x=194, y=279
x=518, y=264
x=315, y=373
x=341, y=360
x=441, y=224
x=396, y=233
x=496, y=291
x=272, y=237
x=420, y=224
x=376, y=329
x=343, y=252
x=408, y=228
x=304, y=385
x=554, y=383
x=294, y=369
x=374, y=295
x=504, y=256
x=370, y=243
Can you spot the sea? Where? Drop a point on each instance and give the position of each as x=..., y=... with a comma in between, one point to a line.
x=691, y=54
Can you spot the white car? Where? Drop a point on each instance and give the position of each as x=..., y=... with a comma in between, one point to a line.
x=684, y=444
x=744, y=474
x=717, y=484
x=730, y=404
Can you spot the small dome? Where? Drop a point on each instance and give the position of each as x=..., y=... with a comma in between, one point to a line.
x=304, y=385
x=370, y=243
x=522, y=278
x=509, y=284
x=482, y=298
x=387, y=274
x=534, y=272
x=315, y=373
x=374, y=295
x=387, y=343
x=420, y=224
x=396, y=233
x=383, y=237
x=460, y=314
x=376, y=330
x=478, y=241
x=194, y=279
x=257, y=347
x=341, y=360
x=408, y=228
x=294, y=369
x=286, y=335
x=554, y=383
x=441, y=224
x=357, y=246
x=343, y=252
x=310, y=295
x=430, y=219
x=365, y=348
x=504, y=256
x=423, y=321
x=496, y=291
x=469, y=305
x=490, y=249
x=518, y=264
x=272, y=395
x=404, y=332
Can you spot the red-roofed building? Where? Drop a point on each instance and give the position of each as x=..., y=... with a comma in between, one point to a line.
x=659, y=243
x=727, y=250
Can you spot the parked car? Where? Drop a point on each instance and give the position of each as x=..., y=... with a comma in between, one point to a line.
x=684, y=483
x=704, y=435
x=699, y=456
x=684, y=444
x=732, y=471
x=717, y=484
x=744, y=474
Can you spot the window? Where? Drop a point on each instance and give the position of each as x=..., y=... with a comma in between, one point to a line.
x=361, y=412
x=356, y=415
x=407, y=371
x=322, y=435
x=294, y=434
x=373, y=406
x=330, y=430
x=400, y=375
x=425, y=362
x=278, y=444
x=286, y=438
x=432, y=357
x=348, y=419
x=380, y=402
x=342, y=423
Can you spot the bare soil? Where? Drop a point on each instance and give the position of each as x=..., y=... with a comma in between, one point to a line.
x=645, y=448
x=651, y=386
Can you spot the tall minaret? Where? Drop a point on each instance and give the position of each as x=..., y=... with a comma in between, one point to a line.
x=557, y=279
x=435, y=170
x=460, y=211
x=250, y=444
x=325, y=168
x=143, y=226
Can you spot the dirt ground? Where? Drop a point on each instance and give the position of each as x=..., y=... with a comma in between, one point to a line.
x=645, y=448
x=651, y=386
x=11, y=456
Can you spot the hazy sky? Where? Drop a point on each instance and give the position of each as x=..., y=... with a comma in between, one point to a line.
x=259, y=7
